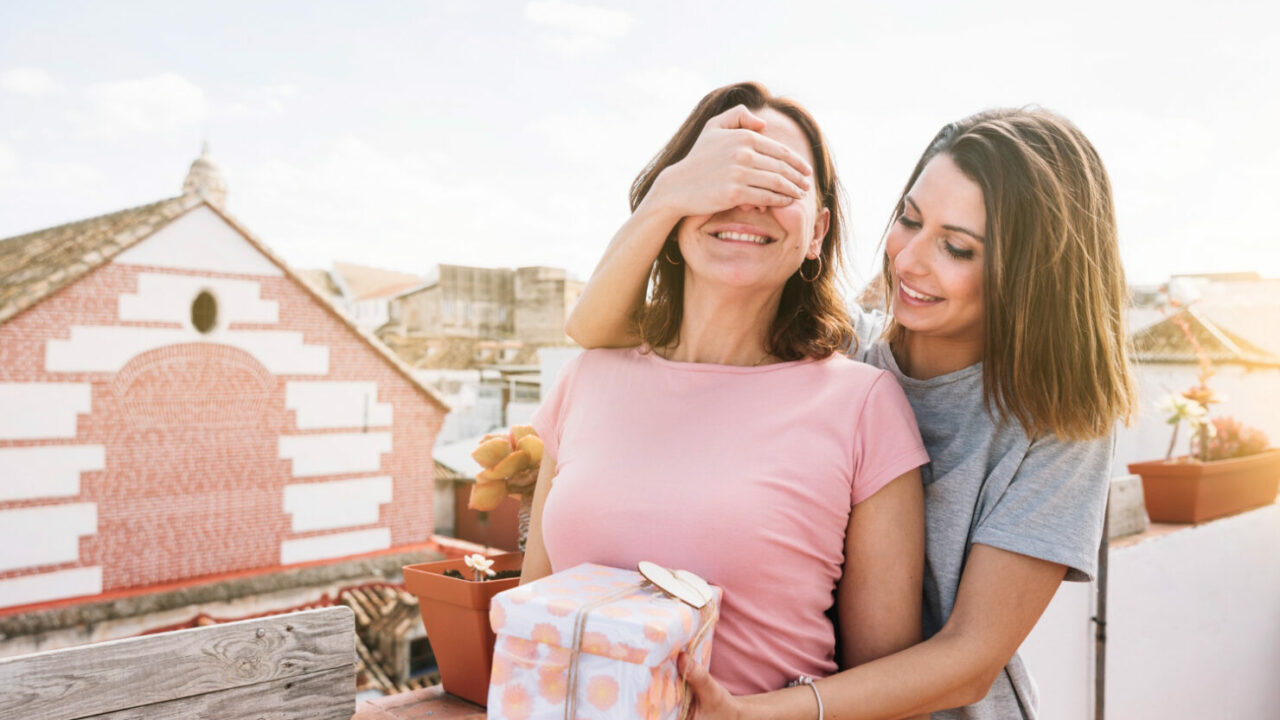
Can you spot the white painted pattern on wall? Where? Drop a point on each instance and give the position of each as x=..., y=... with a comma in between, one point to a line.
x=335, y=453
x=337, y=405
x=45, y=535
x=46, y=471
x=168, y=298
x=55, y=585
x=200, y=240
x=31, y=411
x=107, y=349
x=332, y=546
x=336, y=504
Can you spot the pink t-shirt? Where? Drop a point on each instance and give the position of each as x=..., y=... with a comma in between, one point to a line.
x=744, y=475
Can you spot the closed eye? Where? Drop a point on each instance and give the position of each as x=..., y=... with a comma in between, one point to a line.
x=908, y=223
x=958, y=252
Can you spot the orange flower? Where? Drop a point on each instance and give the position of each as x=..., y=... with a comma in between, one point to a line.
x=553, y=684
x=497, y=617
x=546, y=633
x=560, y=607
x=516, y=703
x=558, y=656
x=521, y=648
x=602, y=692
x=595, y=643
x=501, y=672
x=654, y=632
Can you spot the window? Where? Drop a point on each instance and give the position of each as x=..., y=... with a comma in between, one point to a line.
x=204, y=312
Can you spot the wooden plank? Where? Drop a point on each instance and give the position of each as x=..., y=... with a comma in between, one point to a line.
x=120, y=674
x=324, y=695
x=431, y=703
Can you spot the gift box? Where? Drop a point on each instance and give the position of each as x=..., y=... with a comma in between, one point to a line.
x=592, y=643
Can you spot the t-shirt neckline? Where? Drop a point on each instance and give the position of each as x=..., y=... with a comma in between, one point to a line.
x=890, y=363
x=647, y=354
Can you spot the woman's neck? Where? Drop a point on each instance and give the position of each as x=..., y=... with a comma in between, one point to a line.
x=925, y=356
x=725, y=326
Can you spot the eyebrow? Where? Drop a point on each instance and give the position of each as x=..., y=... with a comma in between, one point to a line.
x=952, y=228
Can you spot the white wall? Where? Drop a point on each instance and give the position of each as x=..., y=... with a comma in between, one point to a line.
x=1193, y=628
x=1059, y=654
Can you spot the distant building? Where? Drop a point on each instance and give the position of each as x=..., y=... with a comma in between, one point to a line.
x=458, y=302
x=543, y=298
x=185, y=419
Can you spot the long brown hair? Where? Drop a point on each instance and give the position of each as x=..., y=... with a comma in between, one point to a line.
x=1054, y=347
x=811, y=320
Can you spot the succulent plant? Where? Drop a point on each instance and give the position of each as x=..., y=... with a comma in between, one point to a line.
x=510, y=461
x=1230, y=439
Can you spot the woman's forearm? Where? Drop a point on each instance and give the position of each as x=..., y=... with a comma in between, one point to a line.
x=938, y=674
x=603, y=314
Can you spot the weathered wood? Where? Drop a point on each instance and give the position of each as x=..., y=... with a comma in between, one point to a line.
x=431, y=703
x=323, y=695
x=98, y=679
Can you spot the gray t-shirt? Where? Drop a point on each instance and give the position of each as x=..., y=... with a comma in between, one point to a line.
x=988, y=483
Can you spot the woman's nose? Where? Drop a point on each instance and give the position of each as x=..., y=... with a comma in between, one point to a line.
x=752, y=208
x=911, y=260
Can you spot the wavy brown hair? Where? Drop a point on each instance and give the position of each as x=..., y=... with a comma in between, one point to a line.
x=1054, y=347
x=811, y=320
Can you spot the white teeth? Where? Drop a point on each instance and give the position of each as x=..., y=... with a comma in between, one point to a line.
x=918, y=296
x=744, y=237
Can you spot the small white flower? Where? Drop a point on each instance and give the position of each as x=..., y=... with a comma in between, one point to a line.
x=481, y=564
x=1179, y=408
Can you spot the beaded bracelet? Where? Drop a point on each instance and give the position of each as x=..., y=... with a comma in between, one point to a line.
x=806, y=680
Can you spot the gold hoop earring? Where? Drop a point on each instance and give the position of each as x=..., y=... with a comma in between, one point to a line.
x=800, y=271
x=666, y=253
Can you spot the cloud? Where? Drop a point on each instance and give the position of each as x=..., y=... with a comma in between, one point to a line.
x=160, y=105
x=28, y=81
x=8, y=163
x=574, y=30
x=259, y=102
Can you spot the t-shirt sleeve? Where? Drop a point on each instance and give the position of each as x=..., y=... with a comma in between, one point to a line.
x=886, y=440
x=867, y=328
x=548, y=419
x=1054, y=506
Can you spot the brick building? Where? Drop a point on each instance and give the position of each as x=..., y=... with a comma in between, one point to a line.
x=180, y=410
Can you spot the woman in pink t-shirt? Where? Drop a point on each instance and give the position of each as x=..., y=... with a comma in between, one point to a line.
x=739, y=442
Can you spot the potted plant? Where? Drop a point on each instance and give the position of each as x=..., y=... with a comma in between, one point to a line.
x=1230, y=466
x=453, y=595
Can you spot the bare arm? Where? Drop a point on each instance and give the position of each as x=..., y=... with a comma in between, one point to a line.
x=536, y=563
x=880, y=591
x=1002, y=595
x=731, y=164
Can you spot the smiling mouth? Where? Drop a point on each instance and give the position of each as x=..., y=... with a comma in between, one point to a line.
x=917, y=295
x=744, y=237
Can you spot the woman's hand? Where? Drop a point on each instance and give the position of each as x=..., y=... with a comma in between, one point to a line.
x=732, y=164
x=711, y=700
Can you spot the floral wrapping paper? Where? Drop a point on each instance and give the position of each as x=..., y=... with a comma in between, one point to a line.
x=627, y=661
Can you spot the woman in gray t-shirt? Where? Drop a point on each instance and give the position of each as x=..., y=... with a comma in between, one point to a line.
x=1006, y=298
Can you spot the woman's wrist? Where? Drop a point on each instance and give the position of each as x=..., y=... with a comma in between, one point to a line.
x=658, y=207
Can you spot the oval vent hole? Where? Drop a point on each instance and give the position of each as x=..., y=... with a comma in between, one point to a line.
x=204, y=312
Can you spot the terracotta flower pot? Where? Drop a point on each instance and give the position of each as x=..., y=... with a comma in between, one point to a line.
x=1188, y=491
x=455, y=614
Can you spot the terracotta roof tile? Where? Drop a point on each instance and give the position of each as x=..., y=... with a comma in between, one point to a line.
x=1165, y=342
x=35, y=265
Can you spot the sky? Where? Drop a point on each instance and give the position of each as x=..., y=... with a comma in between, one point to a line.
x=507, y=133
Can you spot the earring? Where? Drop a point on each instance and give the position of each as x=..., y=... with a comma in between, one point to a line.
x=666, y=252
x=800, y=271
